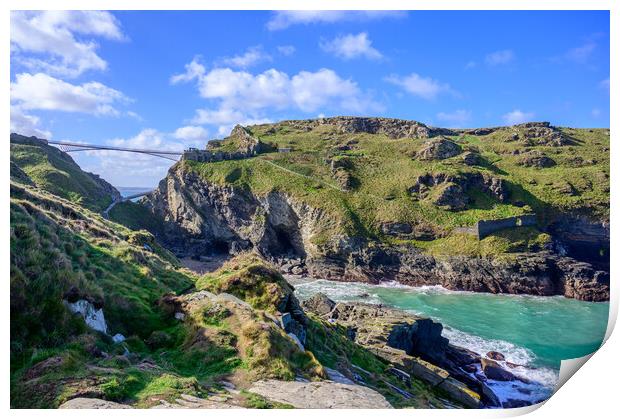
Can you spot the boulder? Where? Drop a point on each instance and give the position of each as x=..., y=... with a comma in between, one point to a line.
x=319, y=304
x=396, y=229
x=88, y=403
x=320, y=395
x=439, y=149
x=471, y=158
x=496, y=356
x=494, y=371
x=537, y=160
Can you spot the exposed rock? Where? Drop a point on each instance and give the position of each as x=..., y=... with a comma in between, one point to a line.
x=471, y=158
x=393, y=128
x=396, y=228
x=496, y=356
x=187, y=401
x=319, y=304
x=92, y=316
x=320, y=395
x=537, y=160
x=439, y=149
x=450, y=196
x=494, y=371
x=434, y=186
x=540, y=133
x=88, y=403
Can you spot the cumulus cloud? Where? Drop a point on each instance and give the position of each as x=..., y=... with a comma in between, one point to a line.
x=46, y=41
x=25, y=124
x=500, y=57
x=424, y=87
x=250, y=57
x=517, y=117
x=282, y=19
x=242, y=96
x=456, y=118
x=191, y=132
x=43, y=92
x=352, y=46
x=286, y=49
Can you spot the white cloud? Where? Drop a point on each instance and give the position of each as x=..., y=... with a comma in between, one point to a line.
x=243, y=97
x=352, y=46
x=517, y=117
x=500, y=57
x=604, y=84
x=470, y=65
x=286, y=49
x=252, y=56
x=28, y=125
x=193, y=70
x=282, y=19
x=581, y=54
x=191, y=132
x=424, y=87
x=456, y=118
x=46, y=41
x=40, y=91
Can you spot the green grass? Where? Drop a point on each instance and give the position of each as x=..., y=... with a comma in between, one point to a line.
x=56, y=172
x=384, y=171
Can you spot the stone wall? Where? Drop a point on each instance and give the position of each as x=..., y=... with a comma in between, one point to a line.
x=484, y=228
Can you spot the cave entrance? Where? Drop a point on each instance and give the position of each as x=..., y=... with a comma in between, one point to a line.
x=219, y=247
x=286, y=243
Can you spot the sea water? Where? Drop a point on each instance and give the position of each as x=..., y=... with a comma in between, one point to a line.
x=535, y=332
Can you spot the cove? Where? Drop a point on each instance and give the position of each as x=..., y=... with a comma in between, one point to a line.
x=535, y=331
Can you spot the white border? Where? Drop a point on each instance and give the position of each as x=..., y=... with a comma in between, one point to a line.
x=592, y=394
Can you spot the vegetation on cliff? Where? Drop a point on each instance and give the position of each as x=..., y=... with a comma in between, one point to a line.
x=365, y=180
x=56, y=172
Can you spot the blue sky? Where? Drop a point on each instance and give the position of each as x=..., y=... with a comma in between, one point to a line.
x=171, y=80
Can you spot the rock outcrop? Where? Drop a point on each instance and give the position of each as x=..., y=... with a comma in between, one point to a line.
x=320, y=395
x=391, y=127
x=439, y=149
x=90, y=403
x=203, y=218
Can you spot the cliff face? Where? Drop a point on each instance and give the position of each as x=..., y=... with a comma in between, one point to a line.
x=203, y=218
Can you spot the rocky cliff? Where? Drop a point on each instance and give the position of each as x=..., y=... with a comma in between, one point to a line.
x=203, y=217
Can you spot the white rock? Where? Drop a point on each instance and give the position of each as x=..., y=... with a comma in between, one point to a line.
x=118, y=338
x=179, y=316
x=93, y=318
x=297, y=341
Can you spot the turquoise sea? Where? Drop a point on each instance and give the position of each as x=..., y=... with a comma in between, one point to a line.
x=537, y=332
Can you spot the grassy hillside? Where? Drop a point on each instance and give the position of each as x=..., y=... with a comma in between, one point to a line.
x=365, y=180
x=60, y=249
x=56, y=172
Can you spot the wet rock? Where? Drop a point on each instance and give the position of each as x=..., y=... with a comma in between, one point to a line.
x=494, y=371
x=496, y=356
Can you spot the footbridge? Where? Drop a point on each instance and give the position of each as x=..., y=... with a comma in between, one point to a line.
x=106, y=212
x=69, y=147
